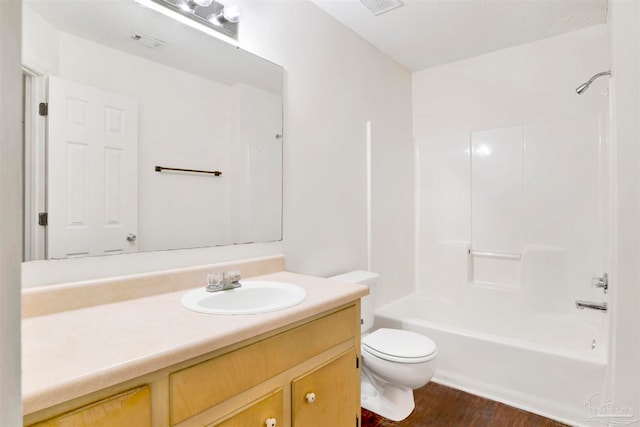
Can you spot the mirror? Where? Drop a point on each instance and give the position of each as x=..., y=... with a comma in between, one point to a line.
x=130, y=92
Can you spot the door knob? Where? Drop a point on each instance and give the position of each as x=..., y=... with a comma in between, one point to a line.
x=131, y=237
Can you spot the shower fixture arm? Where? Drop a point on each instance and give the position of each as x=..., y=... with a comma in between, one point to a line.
x=585, y=86
x=604, y=73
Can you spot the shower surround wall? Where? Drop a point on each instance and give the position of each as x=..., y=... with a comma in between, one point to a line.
x=512, y=162
x=516, y=216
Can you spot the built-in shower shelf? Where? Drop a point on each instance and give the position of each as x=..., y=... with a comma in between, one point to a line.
x=499, y=255
x=495, y=270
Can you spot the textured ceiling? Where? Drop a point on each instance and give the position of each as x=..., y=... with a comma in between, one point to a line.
x=427, y=33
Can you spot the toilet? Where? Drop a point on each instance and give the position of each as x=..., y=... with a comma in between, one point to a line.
x=395, y=362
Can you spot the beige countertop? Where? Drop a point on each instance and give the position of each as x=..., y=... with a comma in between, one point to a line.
x=72, y=353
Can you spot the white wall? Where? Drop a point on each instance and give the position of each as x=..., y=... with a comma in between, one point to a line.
x=335, y=83
x=10, y=213
x=524, y=84
x=40, y=42
x=624, y=32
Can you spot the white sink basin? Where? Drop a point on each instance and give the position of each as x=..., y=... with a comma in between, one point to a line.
x=253, y=297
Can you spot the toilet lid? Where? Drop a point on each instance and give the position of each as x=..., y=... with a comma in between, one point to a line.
x=399, y=346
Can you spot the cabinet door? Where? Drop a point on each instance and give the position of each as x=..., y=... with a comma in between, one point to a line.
x=265, y=412
x=327, y=396
x=131, y=409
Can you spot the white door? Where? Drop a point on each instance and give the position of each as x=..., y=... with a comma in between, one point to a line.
x=92, y=171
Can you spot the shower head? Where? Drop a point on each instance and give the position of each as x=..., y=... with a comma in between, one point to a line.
x=584, y=86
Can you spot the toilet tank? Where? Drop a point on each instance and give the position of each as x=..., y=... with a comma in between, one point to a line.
x=366, y=278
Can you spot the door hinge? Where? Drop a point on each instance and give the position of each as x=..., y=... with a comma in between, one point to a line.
x=43, y=109
x=357, y=421
x=357, y=362
x=43, y=219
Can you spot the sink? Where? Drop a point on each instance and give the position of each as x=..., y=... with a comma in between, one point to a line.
x=253, y=297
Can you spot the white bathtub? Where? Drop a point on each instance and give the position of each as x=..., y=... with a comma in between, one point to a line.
x=541, y=363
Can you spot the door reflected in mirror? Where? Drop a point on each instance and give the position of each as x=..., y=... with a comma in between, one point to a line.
x=131, y=92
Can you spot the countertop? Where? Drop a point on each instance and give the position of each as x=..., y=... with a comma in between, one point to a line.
x=73, y=353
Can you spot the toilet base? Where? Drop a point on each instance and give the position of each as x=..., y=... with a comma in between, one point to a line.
x=389, y=401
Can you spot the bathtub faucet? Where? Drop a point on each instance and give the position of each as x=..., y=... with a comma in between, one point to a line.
x=592, y=305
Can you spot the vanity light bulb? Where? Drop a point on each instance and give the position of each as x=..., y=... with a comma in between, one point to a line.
x=184, y=5
x=231, y=13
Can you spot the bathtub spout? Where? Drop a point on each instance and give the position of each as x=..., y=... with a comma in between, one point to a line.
x=592, y=305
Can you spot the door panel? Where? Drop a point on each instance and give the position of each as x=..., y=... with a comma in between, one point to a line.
x=92, y=170
x=327, y=396
x=131, y=409
x=265, y=412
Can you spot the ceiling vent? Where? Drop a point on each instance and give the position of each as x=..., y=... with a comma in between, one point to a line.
x=147, y=41
x=378, y=7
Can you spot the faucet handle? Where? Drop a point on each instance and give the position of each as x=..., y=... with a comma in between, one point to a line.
x=601, y=282
x=213, y=282
x=231, y=276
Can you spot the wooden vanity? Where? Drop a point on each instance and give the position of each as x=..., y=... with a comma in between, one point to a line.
x=297, y=367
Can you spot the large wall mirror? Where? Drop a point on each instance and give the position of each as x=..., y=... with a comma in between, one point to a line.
x=132, y=96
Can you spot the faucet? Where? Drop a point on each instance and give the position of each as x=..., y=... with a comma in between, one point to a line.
x=592, y=305
x=230, y=280
x=601, y=282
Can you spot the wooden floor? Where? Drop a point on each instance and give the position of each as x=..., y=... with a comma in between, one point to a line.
x=440, y=406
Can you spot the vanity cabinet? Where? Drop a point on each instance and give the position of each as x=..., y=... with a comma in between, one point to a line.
x=304, y=375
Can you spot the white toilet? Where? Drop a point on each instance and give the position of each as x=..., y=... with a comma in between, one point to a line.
x=395, y=362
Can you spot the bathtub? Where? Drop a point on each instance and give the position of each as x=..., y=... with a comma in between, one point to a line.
x=552, y=365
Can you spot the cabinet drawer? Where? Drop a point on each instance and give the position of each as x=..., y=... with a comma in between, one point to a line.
x=327, y=396
x=257, y=414
x=194, y=389
x=131, y=409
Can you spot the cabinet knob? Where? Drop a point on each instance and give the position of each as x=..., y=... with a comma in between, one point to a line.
x=271, y=422
x=311, y=397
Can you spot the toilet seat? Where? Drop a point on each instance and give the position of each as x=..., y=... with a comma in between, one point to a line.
x=396, y=345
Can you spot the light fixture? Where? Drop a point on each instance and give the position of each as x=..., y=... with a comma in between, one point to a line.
x=205, y=15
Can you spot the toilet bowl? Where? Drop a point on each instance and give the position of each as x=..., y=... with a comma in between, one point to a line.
x=395, y=362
